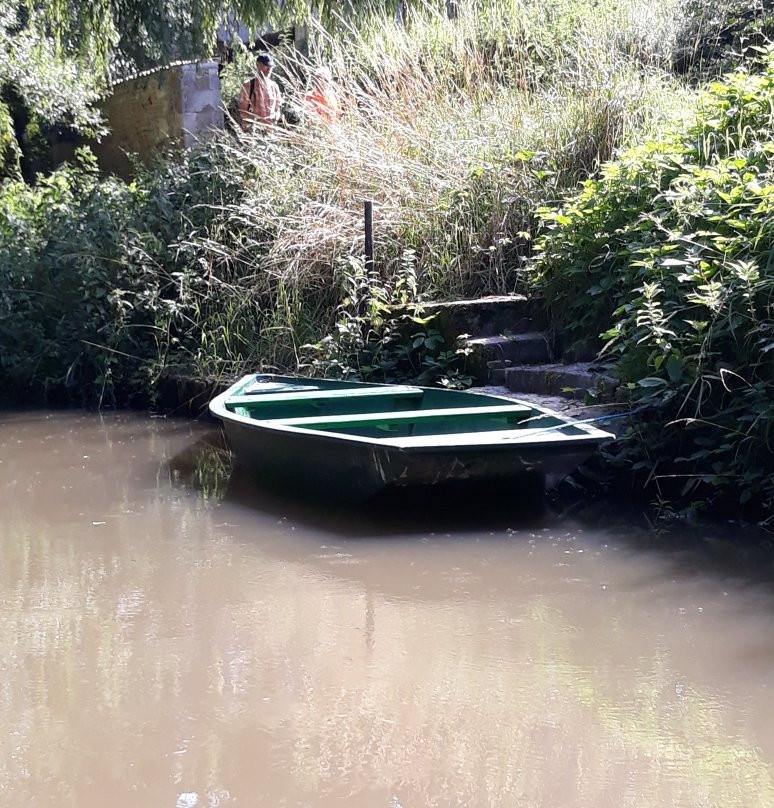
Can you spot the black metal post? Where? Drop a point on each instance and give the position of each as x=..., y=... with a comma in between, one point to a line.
x=369, y=237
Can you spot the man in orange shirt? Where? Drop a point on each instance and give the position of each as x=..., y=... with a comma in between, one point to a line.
x=260, y=99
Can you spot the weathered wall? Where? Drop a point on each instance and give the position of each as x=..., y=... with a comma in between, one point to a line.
x=144, y=117
x=154, y=112
x=202, y=110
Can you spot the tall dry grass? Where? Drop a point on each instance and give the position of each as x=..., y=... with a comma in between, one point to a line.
x=456, y=129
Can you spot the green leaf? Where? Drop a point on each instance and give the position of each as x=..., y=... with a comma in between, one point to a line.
x=674, y=367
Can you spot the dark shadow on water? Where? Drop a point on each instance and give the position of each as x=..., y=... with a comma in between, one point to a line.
x=207, y=467
x=723, y=551
x=455, y=507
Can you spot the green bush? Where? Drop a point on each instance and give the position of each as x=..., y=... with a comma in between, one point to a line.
x=717, y=36
x=382, y=333
x=68, y=301
x=9, y=148
x=669, y=257
x=104, y=286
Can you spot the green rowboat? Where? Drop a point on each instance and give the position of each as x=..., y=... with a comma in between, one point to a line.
x=351, y=440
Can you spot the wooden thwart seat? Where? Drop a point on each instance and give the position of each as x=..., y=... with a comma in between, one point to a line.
x=513, y=411
x=256, y=402
x=500, y=437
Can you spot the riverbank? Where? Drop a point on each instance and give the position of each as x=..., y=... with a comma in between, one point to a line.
x=487, y=172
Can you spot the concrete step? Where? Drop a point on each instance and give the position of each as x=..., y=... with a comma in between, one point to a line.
x=523, y=349
x=487, y=316
x=578, y=381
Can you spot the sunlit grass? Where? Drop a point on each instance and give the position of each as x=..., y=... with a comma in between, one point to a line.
x=456, y=129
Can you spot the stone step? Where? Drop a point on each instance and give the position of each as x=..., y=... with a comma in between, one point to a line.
x=516, y=349
x=578, y=381
x=487, y=316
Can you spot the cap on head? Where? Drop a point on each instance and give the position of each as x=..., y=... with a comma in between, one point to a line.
x=265, y=59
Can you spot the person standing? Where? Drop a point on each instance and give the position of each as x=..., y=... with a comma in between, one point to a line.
x=321, y=101
x=260, y=99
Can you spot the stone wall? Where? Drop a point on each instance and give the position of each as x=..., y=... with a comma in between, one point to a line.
x=152, y=113
x=202, y=110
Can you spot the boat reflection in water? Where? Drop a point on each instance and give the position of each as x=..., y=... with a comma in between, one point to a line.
x=207, y=466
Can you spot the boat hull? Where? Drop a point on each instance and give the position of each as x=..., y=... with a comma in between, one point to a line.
x=323, y=465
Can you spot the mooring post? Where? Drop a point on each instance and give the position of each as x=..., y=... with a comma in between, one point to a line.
x=369, y=237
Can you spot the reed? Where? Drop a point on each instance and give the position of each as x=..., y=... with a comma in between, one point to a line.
x=456, y=129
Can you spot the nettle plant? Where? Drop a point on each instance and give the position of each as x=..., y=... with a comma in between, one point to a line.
x=382, y=333
x=669, y=258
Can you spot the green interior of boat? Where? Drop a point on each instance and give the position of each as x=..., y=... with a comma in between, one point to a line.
x=416, y=422
x=389, y=411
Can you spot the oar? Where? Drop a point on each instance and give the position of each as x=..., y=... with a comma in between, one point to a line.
x=575, y=422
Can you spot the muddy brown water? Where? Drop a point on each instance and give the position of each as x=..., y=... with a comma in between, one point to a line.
x=173, y=637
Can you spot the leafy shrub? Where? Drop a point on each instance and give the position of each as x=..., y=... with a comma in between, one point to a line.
x=68, y=303
x=105, y=285
x=382, y=333
x=669, y=256
x=717, y=36
x=9, y=148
